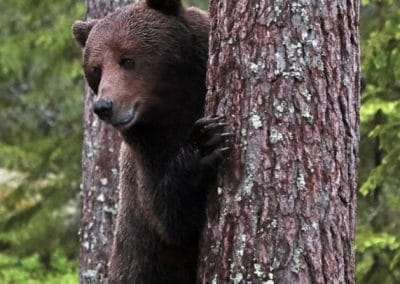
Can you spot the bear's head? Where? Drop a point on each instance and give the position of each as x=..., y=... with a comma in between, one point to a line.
x=146, y=63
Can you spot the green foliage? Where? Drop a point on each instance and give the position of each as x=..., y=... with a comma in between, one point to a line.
x=40, y=140
x=378, y=235
x=41, y=107
x=30, y=270
x=203, y=4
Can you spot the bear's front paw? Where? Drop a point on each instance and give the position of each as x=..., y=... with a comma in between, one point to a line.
x=210, y=138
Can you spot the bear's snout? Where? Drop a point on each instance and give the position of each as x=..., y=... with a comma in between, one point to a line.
x=103, y=108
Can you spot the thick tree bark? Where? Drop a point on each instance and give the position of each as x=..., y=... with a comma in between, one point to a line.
x=286, y=75
x=100, y=178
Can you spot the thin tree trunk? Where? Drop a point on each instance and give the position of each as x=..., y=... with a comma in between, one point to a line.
x=286, y=75
x=99, y=193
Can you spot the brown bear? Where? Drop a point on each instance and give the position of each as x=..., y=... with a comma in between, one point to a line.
x=146, y=63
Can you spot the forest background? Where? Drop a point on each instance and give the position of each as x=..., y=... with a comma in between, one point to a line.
x=41, y=105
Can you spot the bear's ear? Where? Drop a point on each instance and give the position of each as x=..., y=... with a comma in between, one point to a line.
x=81, y=30
x=165, y=6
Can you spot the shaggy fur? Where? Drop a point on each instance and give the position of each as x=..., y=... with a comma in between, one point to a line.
x=147, y=65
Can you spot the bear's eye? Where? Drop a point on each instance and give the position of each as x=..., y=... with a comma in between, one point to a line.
x=127, y=63
x=96, y=71
x=93, y=77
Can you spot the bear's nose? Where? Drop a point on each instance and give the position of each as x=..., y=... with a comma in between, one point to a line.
x=103, y=108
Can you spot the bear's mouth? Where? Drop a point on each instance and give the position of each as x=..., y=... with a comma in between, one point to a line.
x=125, y=122
x=126, y=118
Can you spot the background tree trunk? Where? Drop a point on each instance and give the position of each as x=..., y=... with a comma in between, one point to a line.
x=286, y=75
x=100, y=178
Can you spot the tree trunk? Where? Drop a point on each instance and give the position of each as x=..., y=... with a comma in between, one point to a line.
x=286, y=75
x=100, y=178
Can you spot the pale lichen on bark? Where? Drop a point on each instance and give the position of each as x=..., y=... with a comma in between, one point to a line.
x=286, y=73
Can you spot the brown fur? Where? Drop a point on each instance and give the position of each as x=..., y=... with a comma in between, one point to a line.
x=156, y=98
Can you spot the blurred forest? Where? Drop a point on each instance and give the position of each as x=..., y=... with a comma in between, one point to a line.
x=41, y=102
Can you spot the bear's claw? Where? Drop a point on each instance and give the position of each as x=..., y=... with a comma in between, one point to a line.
x=209, y=136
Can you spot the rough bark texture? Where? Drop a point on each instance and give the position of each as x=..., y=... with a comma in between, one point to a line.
x=286, y=74
x=100, y=178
